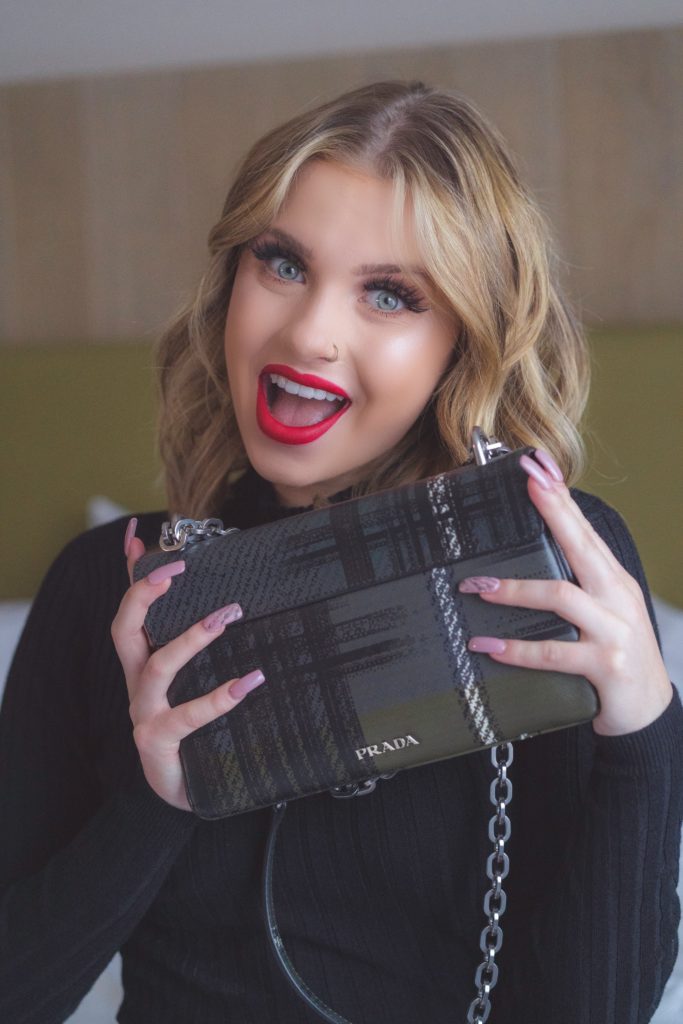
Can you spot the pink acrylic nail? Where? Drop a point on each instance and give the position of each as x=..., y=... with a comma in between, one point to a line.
x=487, y=645
x=130, y=533
x=164, y=572
x=223, y=617
x=478, y=585
x=535, y=471
x=548, y=463
x=247, y=683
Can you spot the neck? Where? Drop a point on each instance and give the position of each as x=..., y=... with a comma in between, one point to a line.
x=303, y=497
x=298, y=497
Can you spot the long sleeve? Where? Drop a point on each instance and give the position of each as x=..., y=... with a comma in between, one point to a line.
x=379, y=899
x=79, y=866
x=602, y=940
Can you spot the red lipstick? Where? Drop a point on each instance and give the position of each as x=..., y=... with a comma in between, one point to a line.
x=295, y=435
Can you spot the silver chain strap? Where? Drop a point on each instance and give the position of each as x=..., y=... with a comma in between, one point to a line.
x=495, y=900
x=179, y=532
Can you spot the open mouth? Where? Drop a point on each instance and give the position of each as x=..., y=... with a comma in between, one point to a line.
x=297, y=408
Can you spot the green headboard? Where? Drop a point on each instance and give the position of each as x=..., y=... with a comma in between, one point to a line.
x=635, y=443
x=79, y=421
x=76, y=422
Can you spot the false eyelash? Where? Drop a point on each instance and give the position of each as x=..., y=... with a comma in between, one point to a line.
x=268, y=250
x=410, y=296
x=273, y=250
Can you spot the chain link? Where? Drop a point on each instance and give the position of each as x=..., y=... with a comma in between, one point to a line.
x=179, y=532
x=495, y=900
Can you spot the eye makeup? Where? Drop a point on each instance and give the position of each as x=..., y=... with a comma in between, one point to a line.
x=413, y=301
x=265, y=250
x=410, y=297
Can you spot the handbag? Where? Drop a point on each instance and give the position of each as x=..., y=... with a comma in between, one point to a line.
x=353, y=613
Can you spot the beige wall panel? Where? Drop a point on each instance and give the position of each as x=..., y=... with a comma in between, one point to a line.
x=46, y=245
x=621, y=110
x=111, y=184
x=135, y=196
x=160, y=153
x=221, y=113
x=224, y=111
x=217, y=114
x=515, y=85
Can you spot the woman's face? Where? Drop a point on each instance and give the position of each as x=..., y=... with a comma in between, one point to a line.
x=326, y=278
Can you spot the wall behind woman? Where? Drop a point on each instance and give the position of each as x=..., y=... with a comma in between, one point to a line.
x=110, y=183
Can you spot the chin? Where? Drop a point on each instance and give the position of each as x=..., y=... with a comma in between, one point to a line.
x=270, y=467
x=297, y=485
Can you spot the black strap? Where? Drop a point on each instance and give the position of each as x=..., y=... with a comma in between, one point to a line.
x=274, y=937
x=495, y=901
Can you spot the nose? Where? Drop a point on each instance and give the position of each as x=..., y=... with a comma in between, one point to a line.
x=316, y=326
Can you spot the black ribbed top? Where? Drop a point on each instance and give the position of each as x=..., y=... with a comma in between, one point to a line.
x=379, y=899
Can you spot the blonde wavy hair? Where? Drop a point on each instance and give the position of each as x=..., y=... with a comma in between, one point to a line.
x=519, y=367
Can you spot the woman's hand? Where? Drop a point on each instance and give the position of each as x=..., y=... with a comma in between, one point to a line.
x=617, y=648
x=157, y=727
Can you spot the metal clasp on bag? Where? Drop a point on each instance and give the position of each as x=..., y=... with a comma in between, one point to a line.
x=359, y=788
x=484, y=448
x=179, y=532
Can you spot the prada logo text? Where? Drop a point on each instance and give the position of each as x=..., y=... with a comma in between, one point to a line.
x=377, y=749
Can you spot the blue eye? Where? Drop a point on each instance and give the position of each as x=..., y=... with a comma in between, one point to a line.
x=287, y=270
x=386, y=301
x=388, y=296
x=279, y=262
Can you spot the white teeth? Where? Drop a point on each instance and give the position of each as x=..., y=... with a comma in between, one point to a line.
x=303, y=390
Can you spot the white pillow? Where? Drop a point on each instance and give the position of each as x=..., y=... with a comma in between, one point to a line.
x=12, y=618
x=670, y=622
x=100, y=510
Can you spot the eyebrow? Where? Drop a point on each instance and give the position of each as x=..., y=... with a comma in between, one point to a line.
x=298, y=248
x=387, y=268
x=302, y=251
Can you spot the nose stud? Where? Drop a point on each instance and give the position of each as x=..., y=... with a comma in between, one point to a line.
x=336, y=355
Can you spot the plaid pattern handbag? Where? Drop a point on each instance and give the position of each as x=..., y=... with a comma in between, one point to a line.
x=353, y=614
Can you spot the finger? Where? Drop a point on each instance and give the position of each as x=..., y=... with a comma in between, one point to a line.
x=162, y=666
x=127, y=629
x=551, y=655
x=165, y=663
x=166, y=731
x=133, y=547
x=589, y=557
x=186, y=718
x=573, y=509
x=129, y=534
x=548, y=476
x=559, y=596
x=135, y=552
x=614, y=575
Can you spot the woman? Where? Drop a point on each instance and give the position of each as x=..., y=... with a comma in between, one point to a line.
x=383, y=245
